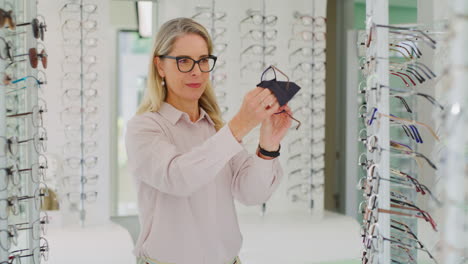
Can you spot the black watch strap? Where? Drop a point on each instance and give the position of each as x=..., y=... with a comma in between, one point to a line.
x=272, y=154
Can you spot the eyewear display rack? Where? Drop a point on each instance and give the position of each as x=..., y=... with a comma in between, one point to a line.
x=22, y=175
x=395, y=194
x=213, y=20
x=377, y=12
x=307, y=50
x=79, y=27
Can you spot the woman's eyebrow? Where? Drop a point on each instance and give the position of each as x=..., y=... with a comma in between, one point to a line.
x=201, y=56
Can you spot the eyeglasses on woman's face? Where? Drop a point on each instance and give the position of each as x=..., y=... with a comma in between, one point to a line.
x=186, y=64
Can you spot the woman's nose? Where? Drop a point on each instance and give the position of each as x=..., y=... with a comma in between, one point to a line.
x=196, y=70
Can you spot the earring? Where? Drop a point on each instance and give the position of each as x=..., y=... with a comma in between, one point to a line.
x=163, y=83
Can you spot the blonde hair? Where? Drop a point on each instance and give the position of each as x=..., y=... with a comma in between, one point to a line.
x=156, y=93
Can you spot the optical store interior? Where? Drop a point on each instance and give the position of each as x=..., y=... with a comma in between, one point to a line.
x=373, y=168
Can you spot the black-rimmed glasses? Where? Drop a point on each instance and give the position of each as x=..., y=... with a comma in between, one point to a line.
x=186, y=64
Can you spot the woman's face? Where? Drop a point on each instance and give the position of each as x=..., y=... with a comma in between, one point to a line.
x=187, y=86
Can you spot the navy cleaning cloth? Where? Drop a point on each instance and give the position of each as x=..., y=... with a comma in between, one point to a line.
x=280, y=90
x=283, y=91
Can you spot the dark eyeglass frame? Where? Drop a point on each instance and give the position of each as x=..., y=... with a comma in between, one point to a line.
x=177, y=58
x=274, y=69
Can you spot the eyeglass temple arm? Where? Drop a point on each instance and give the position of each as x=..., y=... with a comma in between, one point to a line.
x=298, y=122
x=413, y=51
x=414, y=48
x=404, y=67
x=23, y=24
x=410, y=67
x=410, y=30
x=415, y=37
x=266, y=70
x=426, y=67
x=412, y=122
x=399, y=76
x=403, y=54
x=407, y=76
x=245, y=50
x=405, y=104
x=407, y=132
x=425, y=215
x=415, y=74
x=274, y=67
x=26, y=77
x=411, y=92
x=296, y=51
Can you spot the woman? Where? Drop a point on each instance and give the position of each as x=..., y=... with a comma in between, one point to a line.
x=187, y=165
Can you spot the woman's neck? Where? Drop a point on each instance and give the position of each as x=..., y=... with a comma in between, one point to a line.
x=191, y=108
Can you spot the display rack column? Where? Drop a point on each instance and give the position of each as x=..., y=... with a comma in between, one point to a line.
x=377, y=54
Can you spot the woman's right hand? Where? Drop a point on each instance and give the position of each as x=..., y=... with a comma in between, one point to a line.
x=258, y=104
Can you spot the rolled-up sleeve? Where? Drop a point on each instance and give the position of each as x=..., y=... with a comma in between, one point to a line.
x=254, y=179
x=154, y=160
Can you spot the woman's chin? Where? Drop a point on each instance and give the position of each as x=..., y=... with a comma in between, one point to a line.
x=195, y=97
x=195, y=94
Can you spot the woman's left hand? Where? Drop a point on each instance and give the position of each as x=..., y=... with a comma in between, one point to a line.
x=274, y=129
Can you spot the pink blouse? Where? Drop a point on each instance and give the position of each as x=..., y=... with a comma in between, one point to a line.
x=187, y=176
